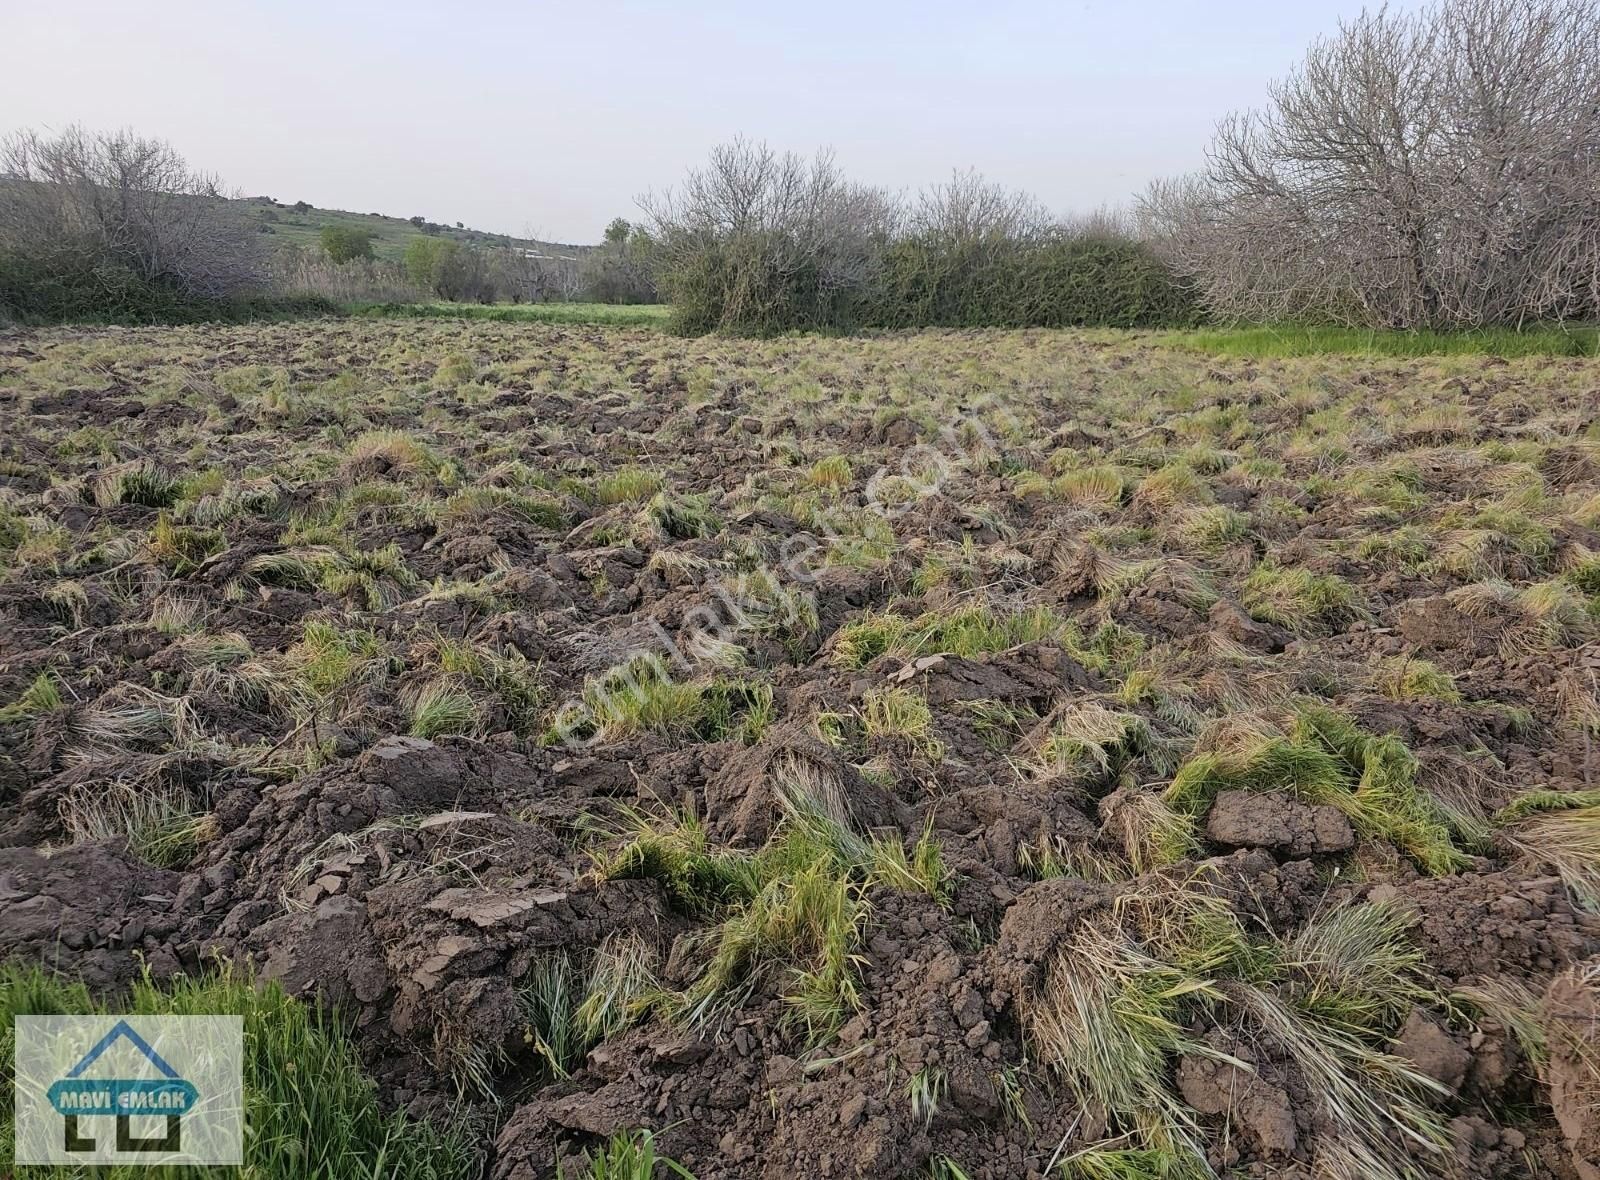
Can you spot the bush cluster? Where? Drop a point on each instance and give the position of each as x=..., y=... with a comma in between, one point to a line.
x=344, y=243
x=41, y=290
x=761, y=242
x=114, y=226
x=1075, y=276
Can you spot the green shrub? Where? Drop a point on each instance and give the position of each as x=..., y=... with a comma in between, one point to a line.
x=427, y=259
x=344, y=243
x=740, y=283
x=450, y=270
x=732, y=283
x=1064, y=279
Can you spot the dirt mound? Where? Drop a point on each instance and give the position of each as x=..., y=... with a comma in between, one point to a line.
x=1495, y=923
x=749, y=797
x=1243, y=819
x=92, y=910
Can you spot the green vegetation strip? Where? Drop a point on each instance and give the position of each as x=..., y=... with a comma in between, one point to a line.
x=1290, y=340
x=638, y=315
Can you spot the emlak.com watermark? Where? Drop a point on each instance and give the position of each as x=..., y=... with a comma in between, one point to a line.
x=129, y=1090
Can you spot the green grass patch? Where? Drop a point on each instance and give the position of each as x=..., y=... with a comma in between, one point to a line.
x=630, y=1155
x=1288, y=340
x=570, y=1006
x=1296, y=598
x=967, y=632
x=477, y=503
x=641, y=696
x=617, y=315
x=310, y=1111
x=43, y=695
x=1405, y=678
x=1327, y=758
x=793, y=913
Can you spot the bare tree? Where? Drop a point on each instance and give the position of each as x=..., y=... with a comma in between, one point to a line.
x=968, y=208
x=618, y=270
x=527, y=275
x=1435, y=168
x=757, y=239
x=82, y=201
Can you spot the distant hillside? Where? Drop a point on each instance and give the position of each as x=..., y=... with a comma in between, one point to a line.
x=300, y=225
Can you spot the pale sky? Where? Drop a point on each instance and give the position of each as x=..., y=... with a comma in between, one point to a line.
x=550, y=119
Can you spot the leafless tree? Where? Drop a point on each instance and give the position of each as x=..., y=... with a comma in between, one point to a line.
x=765, y=229
x=1435, y=168
x=968, y=208
x=87, y=200
x=528, y=275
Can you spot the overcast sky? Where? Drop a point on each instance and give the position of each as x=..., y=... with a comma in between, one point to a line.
x=551, y=119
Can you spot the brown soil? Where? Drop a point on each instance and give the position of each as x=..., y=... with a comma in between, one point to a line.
x=416, y=883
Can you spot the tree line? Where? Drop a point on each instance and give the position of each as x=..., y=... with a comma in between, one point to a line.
x=448, y=269
x=118, y=226
x=758, y=241
x=1430, y=169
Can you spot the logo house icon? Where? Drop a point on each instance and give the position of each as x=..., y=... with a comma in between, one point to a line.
x=133, y=1090
x=167, y=1095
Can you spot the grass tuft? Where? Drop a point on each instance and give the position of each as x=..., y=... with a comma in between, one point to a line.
x=568, y=1010
x=1132, y=1163
x=967, y=632
x=1563, y=832
x=833, y=472
x=900, y=713
x=1326, y=758
x=1089, y=739
x=41, y=696
x=629, y=485
x=641, y=696
x=628, y=1155
x=443, y=707
x=182, y=548
x=163, y=825
x=792, y=914
x=1406, y=678
x=1295, y=598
